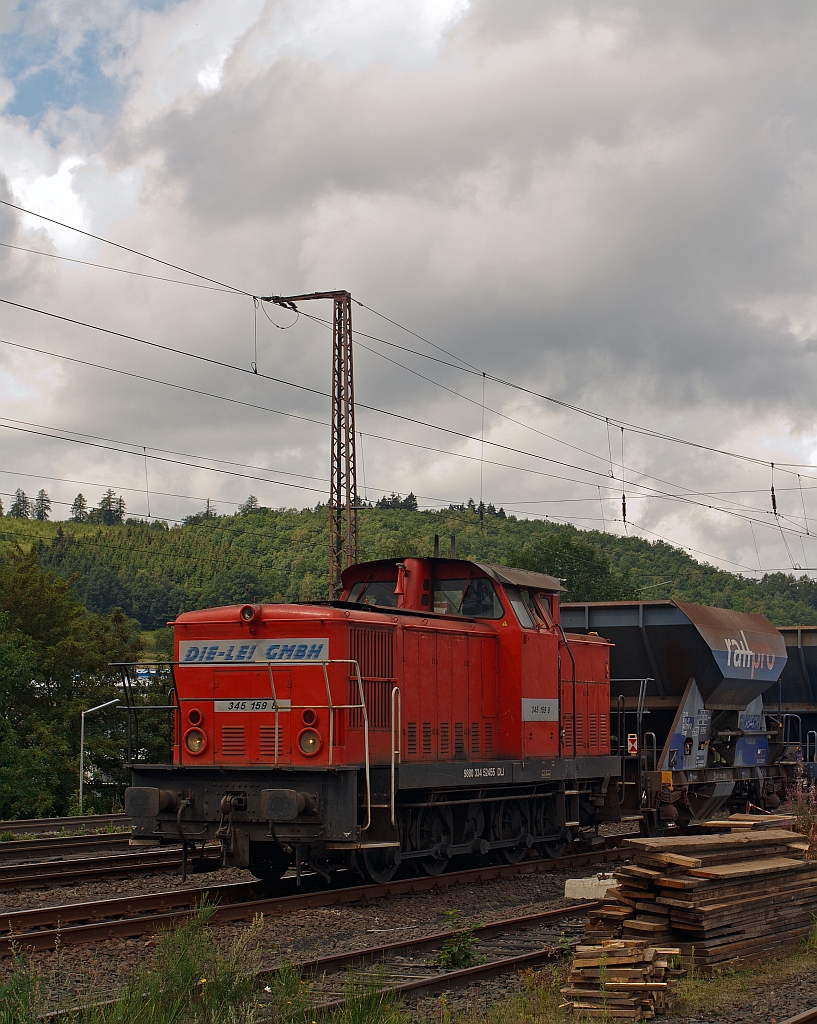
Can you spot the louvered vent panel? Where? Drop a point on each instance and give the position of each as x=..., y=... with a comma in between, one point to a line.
x=568, y=740
x=604, y=732
x=579, y=731
x=459, y=740
x=411, y=737
x=489, y=737
x=475, y=737
x=267, y=740
x=373, y=650
x=594, y=729
x=444, y=749
x=427, y=738
x=232, y=739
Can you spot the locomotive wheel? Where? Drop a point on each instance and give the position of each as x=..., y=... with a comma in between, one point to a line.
x=512, y=822
x=549, y=826
x=435, y=827
x=379, y=866
x=474, y=826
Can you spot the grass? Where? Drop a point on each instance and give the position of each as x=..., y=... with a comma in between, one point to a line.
x=191, y=980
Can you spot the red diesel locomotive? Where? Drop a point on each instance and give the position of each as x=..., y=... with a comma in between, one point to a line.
x=437, y=709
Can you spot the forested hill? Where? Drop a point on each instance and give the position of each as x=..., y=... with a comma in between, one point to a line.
x=152, y=572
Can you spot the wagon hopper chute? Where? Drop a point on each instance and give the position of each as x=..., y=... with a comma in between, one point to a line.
x=687, y=708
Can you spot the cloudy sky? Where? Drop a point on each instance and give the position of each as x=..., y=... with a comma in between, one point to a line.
x=606, y=204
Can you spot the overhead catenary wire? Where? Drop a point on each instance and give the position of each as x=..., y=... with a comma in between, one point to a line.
x=122, y=270
x=547, y=398
x=125, y=248
x=456, y=433
x=467, y=366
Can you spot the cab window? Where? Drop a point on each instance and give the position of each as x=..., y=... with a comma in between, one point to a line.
x=520, y=606
x=543, y=604
x=476, y=597
x=374, y=592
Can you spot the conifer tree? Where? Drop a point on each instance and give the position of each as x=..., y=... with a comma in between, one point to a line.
x=250, y=505
x=21, y=506
x=79, y=509
x=41, y=508
x=111, y=509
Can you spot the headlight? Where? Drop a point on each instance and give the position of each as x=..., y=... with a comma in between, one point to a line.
x=309, y=742
x=195, y=741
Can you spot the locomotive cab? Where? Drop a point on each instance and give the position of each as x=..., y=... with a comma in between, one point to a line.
x=437, y=709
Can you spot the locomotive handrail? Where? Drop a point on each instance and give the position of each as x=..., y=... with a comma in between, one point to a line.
x=811, y=747
x=651, y=747
x=621, y=747
x=395, y=752
x=331, y=707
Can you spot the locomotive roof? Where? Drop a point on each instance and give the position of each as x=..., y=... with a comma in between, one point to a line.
x=500, y=573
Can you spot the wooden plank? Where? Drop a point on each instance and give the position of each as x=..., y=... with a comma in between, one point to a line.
x=705, y=843
x=750, y=868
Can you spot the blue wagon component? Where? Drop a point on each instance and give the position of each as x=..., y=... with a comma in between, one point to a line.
x=688, y=681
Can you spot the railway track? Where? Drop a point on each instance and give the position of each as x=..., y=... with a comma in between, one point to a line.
x=18, y=876
x=127, y=917
x=59, y=847
x=806, y=1017
x=410, y=968
x=44, y=826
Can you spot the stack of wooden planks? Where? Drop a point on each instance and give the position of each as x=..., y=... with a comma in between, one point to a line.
x=717, y=897
x=621, y=980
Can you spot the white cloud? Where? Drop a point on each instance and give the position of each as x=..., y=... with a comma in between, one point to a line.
x=612, y=204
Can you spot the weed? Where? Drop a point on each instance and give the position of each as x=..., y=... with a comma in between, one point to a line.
x=22, y=997
x=811, y=939
x=7, y=837
x=460, y=950
x=366, y=1002
x=565, y=944
x=289, y=996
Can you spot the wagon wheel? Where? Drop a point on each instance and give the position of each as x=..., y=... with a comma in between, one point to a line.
x=511, y=822
x=379, y=865
x=268, y=862
x=435, y=828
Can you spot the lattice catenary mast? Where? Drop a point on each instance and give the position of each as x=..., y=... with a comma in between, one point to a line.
x=343, y=499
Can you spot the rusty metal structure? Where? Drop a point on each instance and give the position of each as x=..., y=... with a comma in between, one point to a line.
x=343, y=499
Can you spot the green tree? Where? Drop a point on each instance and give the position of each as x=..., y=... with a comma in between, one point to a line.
x=54, y=658
x=41, y=508
x=20, y=508
x=587, y=573
x=79, y=509
x=208, y=512
x=110, y=511
x=250, y=505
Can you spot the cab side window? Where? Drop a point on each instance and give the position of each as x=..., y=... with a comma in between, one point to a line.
x=514, y=595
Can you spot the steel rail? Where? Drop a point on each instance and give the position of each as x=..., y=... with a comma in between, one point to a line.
x=427, y=984
x=19, y=851
x=337, y=962
x=42, y=929
x=31, y=875
x=806, y=1017
x=40, y=826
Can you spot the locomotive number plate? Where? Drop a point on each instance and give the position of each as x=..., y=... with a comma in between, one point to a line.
x=251, y=705
x=534, y=710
